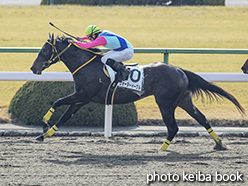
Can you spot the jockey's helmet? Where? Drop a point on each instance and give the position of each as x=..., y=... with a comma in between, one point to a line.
x=92, y=29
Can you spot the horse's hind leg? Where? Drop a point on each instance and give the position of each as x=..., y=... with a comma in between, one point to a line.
x=170, y=121
x=168, y=100
x=167, y=108
x=187, y=105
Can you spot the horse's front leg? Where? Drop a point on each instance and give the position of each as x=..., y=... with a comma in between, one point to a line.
x=72, y=100
x=68, y=113
x=68, y=100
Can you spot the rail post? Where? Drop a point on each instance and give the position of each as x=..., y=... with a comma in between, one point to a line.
x=166, y=57
x=50, y=2
x=108, y=120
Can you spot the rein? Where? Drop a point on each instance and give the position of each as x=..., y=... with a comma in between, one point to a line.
x=52, y=58
x=84, y=65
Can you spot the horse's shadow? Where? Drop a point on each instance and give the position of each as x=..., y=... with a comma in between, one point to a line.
x=80, y=158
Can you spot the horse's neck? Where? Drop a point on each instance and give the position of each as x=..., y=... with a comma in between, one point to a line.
x=72, y=58
x=77, y=61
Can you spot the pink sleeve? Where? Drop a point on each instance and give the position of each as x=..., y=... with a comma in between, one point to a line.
x=98, y=42
x=84, y=38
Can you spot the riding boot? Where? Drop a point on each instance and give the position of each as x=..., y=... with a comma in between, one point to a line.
x=119, y=68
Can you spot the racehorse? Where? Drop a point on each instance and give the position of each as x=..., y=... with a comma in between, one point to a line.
x=244, y=68
x=171, y=86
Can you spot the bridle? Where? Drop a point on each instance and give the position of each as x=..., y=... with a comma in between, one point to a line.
x=56, y=55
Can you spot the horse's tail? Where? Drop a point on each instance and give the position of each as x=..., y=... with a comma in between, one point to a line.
x=198, y=85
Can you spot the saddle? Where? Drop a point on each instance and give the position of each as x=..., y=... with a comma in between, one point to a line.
x=112, y=86
x=125, y=64
x=130, y=64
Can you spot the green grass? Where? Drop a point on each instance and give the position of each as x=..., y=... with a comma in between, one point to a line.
x=144, y=27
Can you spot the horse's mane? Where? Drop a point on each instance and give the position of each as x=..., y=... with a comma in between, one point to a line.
x=65, y=40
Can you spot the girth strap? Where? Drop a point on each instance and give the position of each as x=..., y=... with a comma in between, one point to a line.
x=109, y=99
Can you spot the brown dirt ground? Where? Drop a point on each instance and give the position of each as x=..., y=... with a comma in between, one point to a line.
x=119, y=161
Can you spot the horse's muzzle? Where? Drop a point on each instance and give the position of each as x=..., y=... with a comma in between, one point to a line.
x=35, y=71
x=244, y=70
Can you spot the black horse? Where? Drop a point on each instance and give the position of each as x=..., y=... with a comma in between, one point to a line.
x=171, y=87
x=244, y=68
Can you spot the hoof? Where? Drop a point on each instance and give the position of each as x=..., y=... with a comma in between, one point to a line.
x=45, y=127
x=164, y=147
x=40, y=138
x=219, y=146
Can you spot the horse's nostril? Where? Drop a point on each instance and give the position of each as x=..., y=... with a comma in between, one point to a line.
x=33, y=69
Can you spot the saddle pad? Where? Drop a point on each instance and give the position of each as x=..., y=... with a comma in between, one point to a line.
x=135, y=79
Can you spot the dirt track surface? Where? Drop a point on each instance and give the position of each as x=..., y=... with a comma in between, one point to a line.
x=121, y=161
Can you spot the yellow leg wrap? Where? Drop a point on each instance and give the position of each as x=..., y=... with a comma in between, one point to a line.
x=214, y=135
x=48, y=115
x=165, y=145
x=51, y=131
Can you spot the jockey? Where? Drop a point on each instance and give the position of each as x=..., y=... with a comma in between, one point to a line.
x=121, y=49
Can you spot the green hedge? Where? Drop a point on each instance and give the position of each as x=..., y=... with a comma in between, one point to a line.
x=198, y=2
x=138, y=2
x=34, y=99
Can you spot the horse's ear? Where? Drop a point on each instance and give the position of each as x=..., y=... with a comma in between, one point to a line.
x=50, y=36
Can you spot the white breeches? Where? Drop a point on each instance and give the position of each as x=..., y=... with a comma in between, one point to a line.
x=118, y=56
